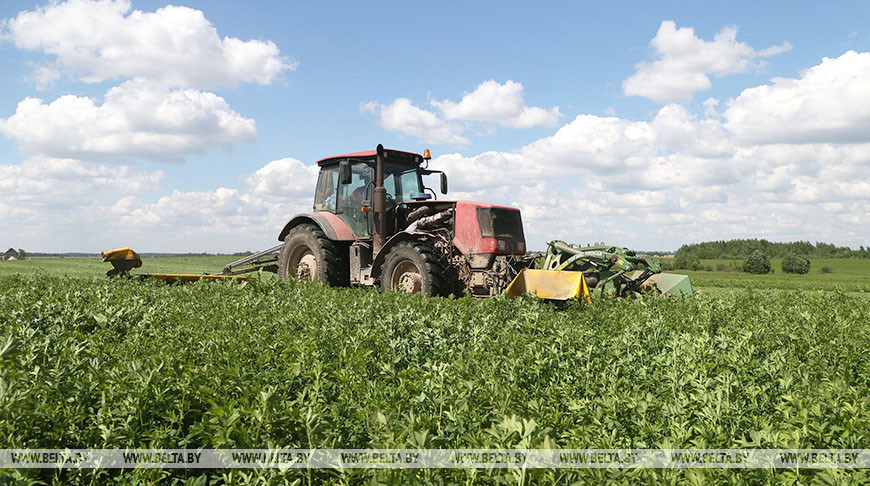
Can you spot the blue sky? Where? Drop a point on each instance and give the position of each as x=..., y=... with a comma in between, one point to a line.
x=647, y=125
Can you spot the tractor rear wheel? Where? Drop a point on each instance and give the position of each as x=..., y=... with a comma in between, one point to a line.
x=413, y=268
x=308, y=254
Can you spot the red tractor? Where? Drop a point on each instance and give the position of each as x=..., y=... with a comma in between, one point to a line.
x=375, y=223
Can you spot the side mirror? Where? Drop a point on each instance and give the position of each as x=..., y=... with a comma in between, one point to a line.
x=344, y=172
x=443, y=183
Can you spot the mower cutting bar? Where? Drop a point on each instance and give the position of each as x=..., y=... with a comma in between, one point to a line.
x=187, y=277
x=261, y=259
x=125, y=259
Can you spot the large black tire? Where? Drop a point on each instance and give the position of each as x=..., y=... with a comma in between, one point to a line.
x=309, y=254
x=413, y=267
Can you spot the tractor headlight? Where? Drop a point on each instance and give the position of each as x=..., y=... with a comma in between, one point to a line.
x=521, y=246
x=502, y=245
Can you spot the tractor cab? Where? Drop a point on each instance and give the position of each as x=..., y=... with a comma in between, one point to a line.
x=345, y=186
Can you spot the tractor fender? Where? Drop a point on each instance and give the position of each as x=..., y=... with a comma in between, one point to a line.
x=332, y=226
x=394, y=240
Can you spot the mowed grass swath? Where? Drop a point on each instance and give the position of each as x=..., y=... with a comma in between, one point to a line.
x=90, y=363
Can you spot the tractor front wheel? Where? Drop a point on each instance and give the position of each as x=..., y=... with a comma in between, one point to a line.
x=309, y=255
x=412, y=267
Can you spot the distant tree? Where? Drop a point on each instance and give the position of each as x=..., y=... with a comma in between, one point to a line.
x=686, y=258
x=757, y=263
x=22, y=254
x=740, y=249
x=795, y=264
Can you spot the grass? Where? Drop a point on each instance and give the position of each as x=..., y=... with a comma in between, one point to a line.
x=89, y=362
x=851, y=275
x=95, y=268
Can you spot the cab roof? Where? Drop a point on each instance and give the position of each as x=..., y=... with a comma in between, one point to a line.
x=391, y=154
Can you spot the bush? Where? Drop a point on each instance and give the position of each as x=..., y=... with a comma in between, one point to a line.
x=827, y=270
x=795, y=264
x=687, y=260
x=720, y=267
x=757, y=263
x=708, y=268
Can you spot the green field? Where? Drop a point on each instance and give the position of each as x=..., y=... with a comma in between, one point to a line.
x=94, y=363
x=95, y=268
x=850, y=275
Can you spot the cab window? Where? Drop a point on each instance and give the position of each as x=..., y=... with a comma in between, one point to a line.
x=327, y=183
x=400, y=181
x=351, y=197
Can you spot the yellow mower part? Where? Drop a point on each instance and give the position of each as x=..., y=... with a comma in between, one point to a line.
x=122, y=254
x=549, y=284
x=122, y=259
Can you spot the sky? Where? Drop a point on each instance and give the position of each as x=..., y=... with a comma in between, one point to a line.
x=195, y=127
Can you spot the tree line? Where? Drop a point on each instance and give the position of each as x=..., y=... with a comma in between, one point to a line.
x=740, y=249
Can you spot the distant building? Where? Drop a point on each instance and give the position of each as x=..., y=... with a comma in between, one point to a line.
x=11, y=254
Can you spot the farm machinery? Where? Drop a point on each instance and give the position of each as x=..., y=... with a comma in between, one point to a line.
x=375, y=223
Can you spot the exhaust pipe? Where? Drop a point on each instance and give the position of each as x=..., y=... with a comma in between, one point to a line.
x=379, y=204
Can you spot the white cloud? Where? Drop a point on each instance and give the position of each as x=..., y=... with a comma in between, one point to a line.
x=487, y=170
x=136, y=120
x=46, y=197
x=223, y=219
x=675, y=178
x=503, y=104
x=490, y=103
x=403, y=116
x=685, y=61
x=829, y=103
x=593, y=143
x=710, y=105
x=67, y=205
x=671, y=149
x=43, y=180
x=284, y=178
x=177, y=46
x=677, y=130
x=44, y=76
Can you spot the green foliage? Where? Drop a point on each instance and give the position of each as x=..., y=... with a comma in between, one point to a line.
x=686, y=259
x=795, y=264
x=757, y=263
x=827, y=269
x=739, y=249
x=108, y=364
x=667, y=264
x=22, y=254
